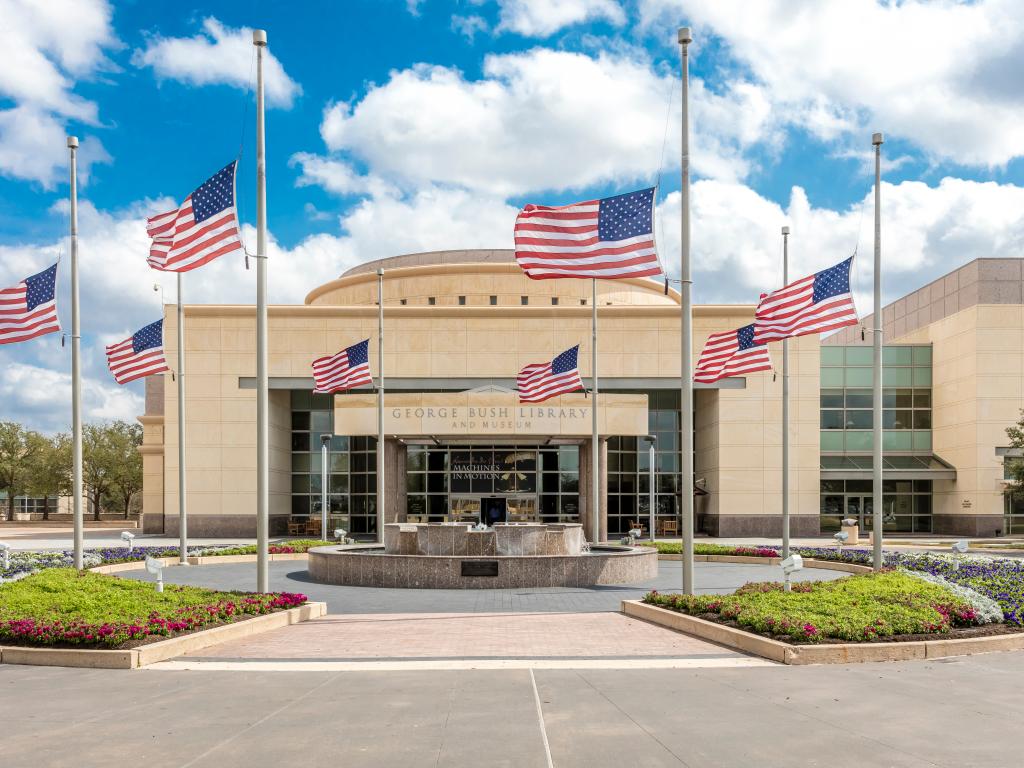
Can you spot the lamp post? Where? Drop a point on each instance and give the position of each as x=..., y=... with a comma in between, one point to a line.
x=325, y=479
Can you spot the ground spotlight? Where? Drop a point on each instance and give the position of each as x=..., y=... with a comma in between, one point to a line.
x=156, y=568
x=791, y=565
x=339, y=534
x=5, y=553
x=960, y=547
x=129, y=539
x=841, y=538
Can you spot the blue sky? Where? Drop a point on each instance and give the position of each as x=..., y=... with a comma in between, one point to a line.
x=398, y=126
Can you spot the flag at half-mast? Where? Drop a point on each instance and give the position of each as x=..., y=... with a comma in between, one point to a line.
x=141, y=354
x=201, y=229
x=611, y=238
x=29, y=309
x=731, y=353
x=540, y=381
x=815, y=304
x=345, y=370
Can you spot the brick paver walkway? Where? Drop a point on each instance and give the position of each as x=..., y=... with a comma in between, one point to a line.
x=463, y=636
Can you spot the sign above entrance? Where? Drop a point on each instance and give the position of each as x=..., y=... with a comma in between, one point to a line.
x=485, y=413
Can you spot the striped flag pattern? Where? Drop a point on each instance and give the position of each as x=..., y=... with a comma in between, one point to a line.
x=610, y=239
x=140, y=355
x=538, y=382
x=345, y=370
x=731, y=353
x=29, y=309
x=815, y=304
x=201, y=229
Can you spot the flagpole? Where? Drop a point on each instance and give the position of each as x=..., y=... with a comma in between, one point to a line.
x=259, y=39
x=380, y=405
x=876, y=460
x=785, y=412
x=76, y=368
x=686, y=351
x=182, y=505
x=595, y=446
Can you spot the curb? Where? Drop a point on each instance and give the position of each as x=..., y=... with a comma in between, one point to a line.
x=840, y=653
x=827, y=565
x=135, y=658
x=170, y=562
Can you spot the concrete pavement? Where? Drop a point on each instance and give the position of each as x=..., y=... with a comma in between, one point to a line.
x=961, y=713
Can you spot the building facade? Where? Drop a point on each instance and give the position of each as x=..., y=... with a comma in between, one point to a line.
x=458, y=446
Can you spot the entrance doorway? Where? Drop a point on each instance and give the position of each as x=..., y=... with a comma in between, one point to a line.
x=861, y=509
x=494, y=509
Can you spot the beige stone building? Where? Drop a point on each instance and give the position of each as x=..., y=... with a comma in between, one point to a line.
x=459, y=325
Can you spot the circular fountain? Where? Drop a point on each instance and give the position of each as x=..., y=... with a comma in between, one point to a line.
x=462, y=556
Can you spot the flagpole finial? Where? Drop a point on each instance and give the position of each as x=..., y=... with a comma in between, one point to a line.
x=876, y=138
x=259, y=37
x=73, y=142
x=785, y=230
x=685, y=38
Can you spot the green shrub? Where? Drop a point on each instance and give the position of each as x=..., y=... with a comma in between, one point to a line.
x=856, y=608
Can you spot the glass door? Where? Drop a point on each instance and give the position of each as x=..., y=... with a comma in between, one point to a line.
x=464, y=509
x=522, y=509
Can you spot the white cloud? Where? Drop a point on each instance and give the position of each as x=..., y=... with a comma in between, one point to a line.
x=336, y=176
x=47, y=46
x=927, y=231
x=468, y=26
x=218, y=54
x=943, y=75
x=543, y=18
x=41, y=398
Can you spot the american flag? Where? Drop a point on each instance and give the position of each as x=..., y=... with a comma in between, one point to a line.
x=29, y=309
x=731, y=353
x=142, y=354
x=202, y=228
x=345, y=370
x=610, y=238
x=815, y=304
x=538, y=382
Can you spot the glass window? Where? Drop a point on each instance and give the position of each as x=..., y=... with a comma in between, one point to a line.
x=897, y=355
x=858, y=419
x=896, y=377
x=922, y=377
x=569, y=458
x=415, y=482
x=896, y=440
x=831, y=356
x=858, y=377
x=831, y=419
x=300, y=420
x=832, y=441
x=554, y=301
x=300, y=483
x=858, y=398
x=300, y=441
x=897, y=398
x=462, y=301
x=832, y=377
x=831, y=486
x=922, y=398
x=922, y=440
x=831, y=398
x=494, y=300
x=897, y=419
x=858, y=441
x=300, y=462
x=859, y=355
x=524, y=300
x=922, y=419
x=320, y=421
x=923, y=355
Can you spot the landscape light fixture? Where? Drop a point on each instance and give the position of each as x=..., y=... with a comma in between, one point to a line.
x=841, y=539
x=156, y=568
x=339, y=534
x=960, y=547
x=129, y=539
x=5, y=551
x=791, y=565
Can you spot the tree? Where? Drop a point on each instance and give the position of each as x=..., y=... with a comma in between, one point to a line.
x=1014, y=464
x=125, y=439
x=51, y=471
x=19, y=450
x=111, y=464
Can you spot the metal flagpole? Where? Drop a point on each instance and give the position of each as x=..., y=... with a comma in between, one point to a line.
x=76, y=367
x=595, y=445
x=259, y=39
x=380, y=405
x=876, y=459
x=182, y=503
x=686, y=351
x=785, y=411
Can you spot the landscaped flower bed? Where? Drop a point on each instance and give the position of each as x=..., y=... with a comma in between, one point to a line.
x=59, y=607
x=676, y=548
x=23, y=564
x=854, y=609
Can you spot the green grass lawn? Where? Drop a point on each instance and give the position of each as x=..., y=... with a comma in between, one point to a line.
x=857, y=608
x=60, y=606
